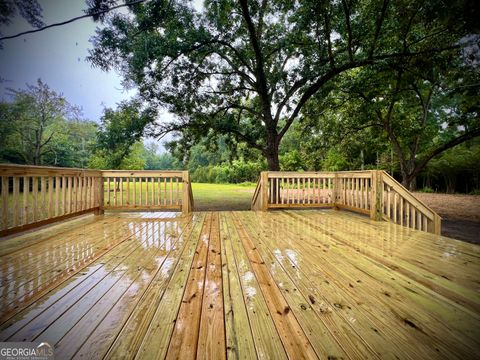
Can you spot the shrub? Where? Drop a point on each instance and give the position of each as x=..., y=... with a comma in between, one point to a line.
x=426, y=189
x=236, y=172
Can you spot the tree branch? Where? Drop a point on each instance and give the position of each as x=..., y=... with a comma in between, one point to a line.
x=378, y=27
x=458, y=140
x=259, y=68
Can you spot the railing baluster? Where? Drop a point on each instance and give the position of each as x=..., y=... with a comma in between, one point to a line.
x=178, y=189
x=146, y=191
x=57, y=195
x=26, y=191
x=140, y=180
x=134, y=192
x=121, y=191
x=160, y=191
x=115, y=191
x=64, y=195
x=43, y=196
x=165, y=191
x=413, y=216
x=16, y=205
x=5, y=223
x=128, y=191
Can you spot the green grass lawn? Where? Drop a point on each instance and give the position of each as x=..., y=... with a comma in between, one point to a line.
x=209, y=196
x=222, y=196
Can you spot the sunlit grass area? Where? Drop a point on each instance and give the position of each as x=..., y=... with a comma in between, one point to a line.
x=222, y=196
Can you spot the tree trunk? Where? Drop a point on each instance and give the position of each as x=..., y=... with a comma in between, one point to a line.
x=271, y=153
x=273, y=162
x=409, y=181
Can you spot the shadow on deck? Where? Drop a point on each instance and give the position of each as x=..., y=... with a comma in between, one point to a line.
x=280, y=284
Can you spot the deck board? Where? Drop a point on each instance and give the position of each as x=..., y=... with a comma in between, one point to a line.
x=241, y=285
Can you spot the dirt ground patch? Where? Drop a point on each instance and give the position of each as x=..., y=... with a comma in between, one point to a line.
x=460, y=213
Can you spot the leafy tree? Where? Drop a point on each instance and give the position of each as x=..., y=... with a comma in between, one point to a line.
x=73, y=144
x=117, y=134
x=248, y=69
x=30, y=120
x=156, y=161
x=457, y=169
x=422, y=109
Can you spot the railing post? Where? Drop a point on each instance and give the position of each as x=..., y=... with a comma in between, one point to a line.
x=435, y=227
x=335, y=191
x=186, y=193
x=264, y=189
x=100, y=193
x=376, y=195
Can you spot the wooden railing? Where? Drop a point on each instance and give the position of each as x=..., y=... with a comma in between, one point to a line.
x=374, y=193
x=33, y=196
x=403, y=208
x=125, y=190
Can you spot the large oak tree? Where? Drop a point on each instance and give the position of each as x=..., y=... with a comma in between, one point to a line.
x=248, y=68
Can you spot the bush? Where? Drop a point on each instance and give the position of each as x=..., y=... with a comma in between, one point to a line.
x=236, y=172
x=426, y=189
x=474, y=192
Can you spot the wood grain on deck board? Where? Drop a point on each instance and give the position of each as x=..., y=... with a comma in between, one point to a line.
x=241, y=285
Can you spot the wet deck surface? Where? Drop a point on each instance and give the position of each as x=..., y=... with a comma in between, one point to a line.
x=282, y=284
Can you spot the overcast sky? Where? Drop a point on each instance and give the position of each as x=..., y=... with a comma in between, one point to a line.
x=57, y=56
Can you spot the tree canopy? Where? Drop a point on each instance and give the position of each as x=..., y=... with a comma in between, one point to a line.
x=247, y=69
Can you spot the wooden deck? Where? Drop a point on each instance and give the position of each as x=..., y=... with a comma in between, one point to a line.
x=246, y=285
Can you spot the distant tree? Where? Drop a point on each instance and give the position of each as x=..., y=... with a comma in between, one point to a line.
x=119, y=131
x=29, y=119
x=156, y=161
x=73, y=144
x=38, y=126
x=423, y=109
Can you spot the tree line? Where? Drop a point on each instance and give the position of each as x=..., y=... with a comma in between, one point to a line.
x=38, y=126
x=311, y=85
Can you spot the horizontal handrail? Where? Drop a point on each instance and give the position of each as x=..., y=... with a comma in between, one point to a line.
x=33, y=196
x=30, y=170
x=370, y=192
x=401, y=190
x=403, y=208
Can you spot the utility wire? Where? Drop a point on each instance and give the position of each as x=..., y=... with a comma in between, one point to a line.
x=70, y=20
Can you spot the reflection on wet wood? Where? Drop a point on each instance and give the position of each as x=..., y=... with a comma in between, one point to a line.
x=240, y=285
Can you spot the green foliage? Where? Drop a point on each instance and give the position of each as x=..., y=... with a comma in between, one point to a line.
x=291, y=161
x=248, y=69
x=335, y=161
x=119, y=131
x=426, y=189
x=236, y=172
x=457, y=169
x=39, y=126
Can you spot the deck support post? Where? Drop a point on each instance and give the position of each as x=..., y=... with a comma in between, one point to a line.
x=376, y=196
x=186, y=193
x=99, y=196
x=264, y=190
x=435, y=226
